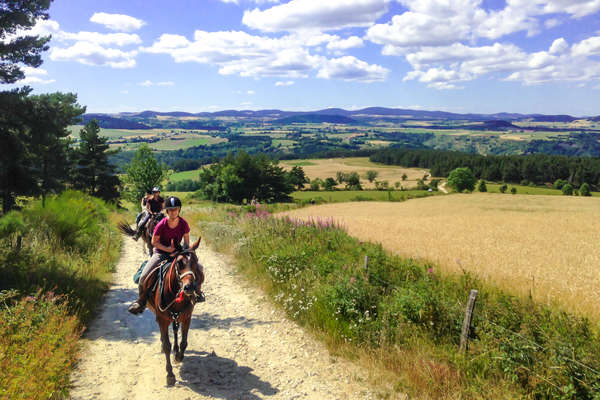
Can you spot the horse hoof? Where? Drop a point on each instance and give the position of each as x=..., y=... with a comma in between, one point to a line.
x=179, y=357
x=170, y=380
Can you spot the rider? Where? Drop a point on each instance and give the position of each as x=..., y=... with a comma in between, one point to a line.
x=166, y=239
x=143, y=206
x=154, y=205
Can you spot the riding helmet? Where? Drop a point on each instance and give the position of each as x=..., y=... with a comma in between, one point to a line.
x=155, y=189
x=172, y=202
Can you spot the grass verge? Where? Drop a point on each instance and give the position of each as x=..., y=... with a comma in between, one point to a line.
x=55, y=264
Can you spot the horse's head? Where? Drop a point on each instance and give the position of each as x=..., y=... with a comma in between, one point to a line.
x=190, y=273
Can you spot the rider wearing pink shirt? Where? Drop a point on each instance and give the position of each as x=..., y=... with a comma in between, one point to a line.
x=166, y=240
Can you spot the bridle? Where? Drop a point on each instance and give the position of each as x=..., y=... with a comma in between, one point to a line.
x=179, y=297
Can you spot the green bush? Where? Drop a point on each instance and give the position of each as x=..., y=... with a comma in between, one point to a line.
x=481, y=186
x=71, y=219
x=567, y=190
x=559, y=183
x=513, y=190
x=584, y=190
x=503, y=188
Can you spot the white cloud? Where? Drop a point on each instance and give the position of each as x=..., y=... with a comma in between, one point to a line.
x=552, y=23
x=124, y=92
x=148, y=83
x=94, y=54
x=284, y=83
x=344, y=44
x=587, y=47
x=118, y=39
x=237, y=52
x=560, y=45
x=316, y=15
x=250, y=92
x=35, y=76
x=350, y=68
x=117, y=22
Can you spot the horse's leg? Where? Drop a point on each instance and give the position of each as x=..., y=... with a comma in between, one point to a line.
x=175, y=345
x=185, y=327
x=166, y=345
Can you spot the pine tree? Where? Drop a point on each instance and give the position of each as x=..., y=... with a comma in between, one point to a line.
x=16, y=16
x=93, y=173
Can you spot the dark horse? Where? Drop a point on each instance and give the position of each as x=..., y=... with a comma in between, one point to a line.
x=175, y=302
x=146, y=233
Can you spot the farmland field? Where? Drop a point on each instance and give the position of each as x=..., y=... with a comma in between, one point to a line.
x=545, y=246
x=324, y=168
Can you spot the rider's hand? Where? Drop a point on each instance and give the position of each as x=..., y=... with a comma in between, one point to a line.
x=171, y=249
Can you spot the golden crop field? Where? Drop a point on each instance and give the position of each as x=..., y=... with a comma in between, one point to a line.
x=325, y=168
x=543, y=245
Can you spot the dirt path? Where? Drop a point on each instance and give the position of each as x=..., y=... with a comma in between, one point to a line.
x=240, y=347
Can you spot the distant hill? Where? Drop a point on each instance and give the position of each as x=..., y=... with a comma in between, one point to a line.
x=108, y=122
x=316, y=119
x=382, y=113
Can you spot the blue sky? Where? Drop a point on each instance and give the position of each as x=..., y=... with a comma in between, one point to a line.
x=486, y=56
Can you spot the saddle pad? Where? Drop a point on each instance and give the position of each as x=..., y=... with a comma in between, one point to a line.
x=136, y=276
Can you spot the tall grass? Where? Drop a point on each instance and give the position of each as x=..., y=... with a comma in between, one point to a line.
x=407, y=316
x=55, y=264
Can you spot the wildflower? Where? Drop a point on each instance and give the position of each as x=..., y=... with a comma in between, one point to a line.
x=430, y=270
x=352, y=280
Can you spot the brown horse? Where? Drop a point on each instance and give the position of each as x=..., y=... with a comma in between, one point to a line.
x=175, y=302
x=146, y=233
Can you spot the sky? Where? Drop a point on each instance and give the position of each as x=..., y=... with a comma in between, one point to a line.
x=480, y=56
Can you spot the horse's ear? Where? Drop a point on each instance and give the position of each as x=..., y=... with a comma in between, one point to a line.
x=195, y=245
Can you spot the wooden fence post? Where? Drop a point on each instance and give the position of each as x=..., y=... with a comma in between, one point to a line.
x=366, y=266
x=464, y=336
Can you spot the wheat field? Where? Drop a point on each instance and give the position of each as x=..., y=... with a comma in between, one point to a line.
x=325, y=168
x=546, y=246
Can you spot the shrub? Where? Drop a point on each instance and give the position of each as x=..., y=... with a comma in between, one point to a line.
x=371, y=175
x=513, y=190
x=567, y=190
x=329, y=184
x=584, y=190
x=559, y=183
x=503, y=188
x=481, y=186
x=316, y=184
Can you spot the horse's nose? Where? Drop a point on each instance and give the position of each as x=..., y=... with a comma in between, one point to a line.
x=188, y=288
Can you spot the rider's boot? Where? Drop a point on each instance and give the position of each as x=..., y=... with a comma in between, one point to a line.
x=140, y=304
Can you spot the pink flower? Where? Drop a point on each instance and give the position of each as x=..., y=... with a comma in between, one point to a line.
x=352, y=280
x=430, y=270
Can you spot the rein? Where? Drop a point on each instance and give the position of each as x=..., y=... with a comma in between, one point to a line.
x=179, y=296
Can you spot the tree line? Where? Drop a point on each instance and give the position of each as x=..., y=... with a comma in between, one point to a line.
x=535, y=168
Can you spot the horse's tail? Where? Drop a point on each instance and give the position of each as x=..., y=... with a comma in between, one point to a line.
x=125, y=228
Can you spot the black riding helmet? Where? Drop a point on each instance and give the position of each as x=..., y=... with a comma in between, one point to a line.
x=172, y=202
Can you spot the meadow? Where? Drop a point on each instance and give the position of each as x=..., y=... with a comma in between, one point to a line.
x=538, y=246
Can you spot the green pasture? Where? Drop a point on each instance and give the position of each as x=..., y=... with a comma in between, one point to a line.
x=339, y=196
x=495, y=188
x=179, y=176
x=298, y=163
